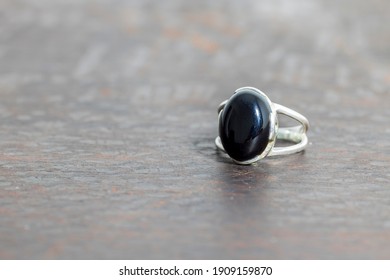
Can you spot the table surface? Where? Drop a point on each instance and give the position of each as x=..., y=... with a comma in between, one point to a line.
x=109, y=112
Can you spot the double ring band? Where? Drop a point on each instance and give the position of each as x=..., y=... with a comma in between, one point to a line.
x=249, y=127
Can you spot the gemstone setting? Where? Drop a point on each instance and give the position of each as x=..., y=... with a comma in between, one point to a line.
x=245, y=125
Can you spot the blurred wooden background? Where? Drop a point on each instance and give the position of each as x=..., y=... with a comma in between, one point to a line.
x=108, y=118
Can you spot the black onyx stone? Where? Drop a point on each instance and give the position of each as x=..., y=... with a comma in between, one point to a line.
x=244, y=125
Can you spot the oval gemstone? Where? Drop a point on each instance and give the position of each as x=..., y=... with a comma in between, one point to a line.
x=244, y=125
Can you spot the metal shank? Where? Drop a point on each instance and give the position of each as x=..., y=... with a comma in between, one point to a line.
x=295, y=134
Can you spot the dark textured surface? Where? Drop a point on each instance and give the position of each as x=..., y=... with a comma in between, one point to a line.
x=108, y=117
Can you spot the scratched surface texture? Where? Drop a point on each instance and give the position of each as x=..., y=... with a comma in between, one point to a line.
x=108, y=118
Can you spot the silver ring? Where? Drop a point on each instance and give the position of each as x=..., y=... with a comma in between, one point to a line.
x=249, y=127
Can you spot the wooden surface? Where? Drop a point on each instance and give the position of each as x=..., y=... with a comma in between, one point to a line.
x=108, y=118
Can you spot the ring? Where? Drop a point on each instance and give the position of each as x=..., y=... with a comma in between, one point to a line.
x=249, y=127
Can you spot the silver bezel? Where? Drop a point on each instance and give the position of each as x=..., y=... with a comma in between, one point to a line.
x=272, y=130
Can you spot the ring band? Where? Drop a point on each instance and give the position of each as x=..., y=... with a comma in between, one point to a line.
x=249, y=127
